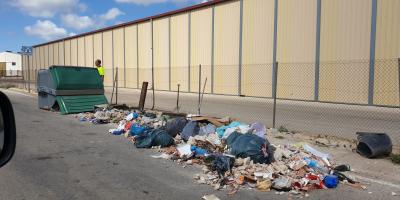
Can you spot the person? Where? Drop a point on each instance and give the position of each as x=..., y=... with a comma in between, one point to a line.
x=100, y=69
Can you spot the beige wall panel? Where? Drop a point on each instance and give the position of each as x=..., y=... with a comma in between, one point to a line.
x=161, y=54
x=119, y=55
x=56, y=56
x=296, y=48
x=201, y=36
x=227, y=18
x=131, y=56
x=30, y=67
x=35, y=63
x=258, y=36
x=89, y=60
x=74, y=52
x=61, y=53
x=67, y=50
x=81, y=51
x=43, y=57
x=108, y=58
x=386, y=86
x=144, y=30
x=46, y=56
x=98, y=47
x=345, y=44
x=51, y=54
x=179, y=52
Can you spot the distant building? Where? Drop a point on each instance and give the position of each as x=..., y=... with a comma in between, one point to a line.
x=10, y=64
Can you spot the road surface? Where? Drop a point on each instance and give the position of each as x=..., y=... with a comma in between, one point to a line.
x=58, y=157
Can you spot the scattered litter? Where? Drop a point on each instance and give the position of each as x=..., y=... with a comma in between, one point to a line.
x=394, y=194
x=249, y=145
x=373, y=145
x=155, y=137
x=191, y=129
x=259, y=129
x=264, y=185
x=163, y=156
x=232, y=155
x=210, y=197
x=184, y=150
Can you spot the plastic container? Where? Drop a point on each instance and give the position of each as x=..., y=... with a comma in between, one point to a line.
x=331, y=181
x=373, y=145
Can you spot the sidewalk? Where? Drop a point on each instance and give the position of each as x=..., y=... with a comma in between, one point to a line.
x=307, y=117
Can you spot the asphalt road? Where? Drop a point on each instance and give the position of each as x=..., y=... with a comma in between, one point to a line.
x=58, y=157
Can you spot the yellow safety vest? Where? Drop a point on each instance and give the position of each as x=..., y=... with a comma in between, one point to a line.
x=101, y=70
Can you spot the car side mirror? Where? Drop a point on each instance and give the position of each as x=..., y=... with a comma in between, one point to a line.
x=7, y=130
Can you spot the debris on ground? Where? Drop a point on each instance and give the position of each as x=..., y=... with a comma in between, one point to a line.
x=395, y=158
x=210, y=197
x=233, y=155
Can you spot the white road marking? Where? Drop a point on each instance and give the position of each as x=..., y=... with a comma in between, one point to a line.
x=381, y=182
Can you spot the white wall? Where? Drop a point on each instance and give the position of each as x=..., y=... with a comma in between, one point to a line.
x=9, y=58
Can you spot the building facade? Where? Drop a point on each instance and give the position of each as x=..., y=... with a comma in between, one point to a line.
x=11, y=64
x=342, y=51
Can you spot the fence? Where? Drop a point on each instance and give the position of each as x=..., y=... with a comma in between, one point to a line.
x=10, y=73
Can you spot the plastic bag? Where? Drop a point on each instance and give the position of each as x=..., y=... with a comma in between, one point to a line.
x=155, y=137
x=259, y=129
x=175, y=126
x=250, y=145
x=221, y=130
x=206, y=130
x=190, y=130
x=137, y=129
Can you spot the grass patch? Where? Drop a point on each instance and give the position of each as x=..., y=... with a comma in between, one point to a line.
x=283, y=129
x=395, y=158
x=279, y=137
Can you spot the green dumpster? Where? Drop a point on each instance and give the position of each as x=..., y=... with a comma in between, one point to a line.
x=70, y=89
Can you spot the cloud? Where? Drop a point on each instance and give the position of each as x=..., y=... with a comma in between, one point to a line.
x=77, y=22
x=47, y=8
x=46, y=30
x=111, y=14
x=149, y=2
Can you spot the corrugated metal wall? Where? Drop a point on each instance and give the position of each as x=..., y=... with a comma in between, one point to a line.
x=345, y=44
x=386, y=87
x=258, y=38
x=179, y=52
x=119, y=58
x=108, y=58
x=161, y=53
x=200, y=48
x=81, y=52
x=234, y=43
x=89, y=60
x=226, y=48
x=131, y=56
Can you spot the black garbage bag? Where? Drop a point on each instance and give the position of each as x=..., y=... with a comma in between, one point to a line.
x=220, y=163
x=373, y=145
x=250, y=145
x=175, y=126
x=155, y=137
x=191, y=129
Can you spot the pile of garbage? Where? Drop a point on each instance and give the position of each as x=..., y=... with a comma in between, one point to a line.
x=233, y=154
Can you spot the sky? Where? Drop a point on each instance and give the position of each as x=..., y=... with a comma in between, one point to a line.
x=31, y=22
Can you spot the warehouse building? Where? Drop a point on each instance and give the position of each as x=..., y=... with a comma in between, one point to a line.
x=343, y=51
x=10, y=64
